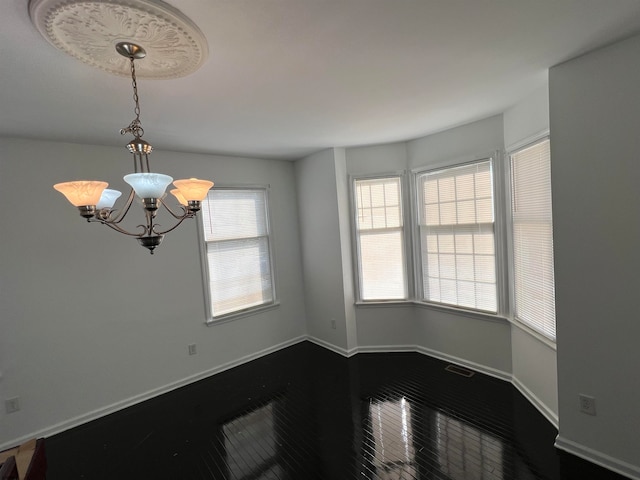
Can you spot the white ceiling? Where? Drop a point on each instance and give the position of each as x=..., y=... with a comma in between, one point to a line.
x=285, y=78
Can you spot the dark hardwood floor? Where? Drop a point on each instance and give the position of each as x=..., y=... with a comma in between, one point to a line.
x=308, y=413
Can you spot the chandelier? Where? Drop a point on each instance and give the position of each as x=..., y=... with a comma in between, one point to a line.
x=95, y=201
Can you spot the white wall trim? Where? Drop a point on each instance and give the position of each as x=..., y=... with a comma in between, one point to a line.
x=542, y=407
x=536, y=401
x=542, y=339
x=599, y=458
x=114, y=407
x=334, y=348
x=387, y=348
x=492, y=372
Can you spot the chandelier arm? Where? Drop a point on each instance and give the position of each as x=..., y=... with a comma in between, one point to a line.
x=180, y=220
x=177, y=216
x=123, y=213
x=122, y=230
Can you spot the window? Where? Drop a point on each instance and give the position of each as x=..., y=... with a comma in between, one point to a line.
x=456, y=236
x=380, y=239
x=534, y=287
x=238, y=258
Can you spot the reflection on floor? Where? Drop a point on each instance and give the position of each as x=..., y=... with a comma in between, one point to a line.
x=307, y=413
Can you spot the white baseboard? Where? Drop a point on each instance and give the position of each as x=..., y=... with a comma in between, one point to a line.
x=549, y=414
x=536, y=402
x=599, y=458
x=330, y=346
x=114, y=407
x=492, y=372
x=387, y=348
x=436, y=354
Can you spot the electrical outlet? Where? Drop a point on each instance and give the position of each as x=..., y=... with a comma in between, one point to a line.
x=12, y=405
x=333, y=324
x=192, y=349
x=587, y=404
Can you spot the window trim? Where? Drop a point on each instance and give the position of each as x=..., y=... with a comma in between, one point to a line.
x=210, y=320
x=499, y=232
x=513, y=148
x=406, y=240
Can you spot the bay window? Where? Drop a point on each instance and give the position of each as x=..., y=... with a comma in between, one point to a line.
x=482, y=238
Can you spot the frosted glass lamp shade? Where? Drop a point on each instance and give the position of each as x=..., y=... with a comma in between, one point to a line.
x=193, y=189
x=82, y=193
x=176, y=193
x=148, y=185
x=108, y=198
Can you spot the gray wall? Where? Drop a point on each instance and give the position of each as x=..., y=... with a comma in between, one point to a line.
x=534, y=361
x=595, y=146
x=326, y=292
x=90, y=322
x=465, y=143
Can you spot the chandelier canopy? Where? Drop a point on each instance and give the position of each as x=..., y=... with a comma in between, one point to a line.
x=95, y=201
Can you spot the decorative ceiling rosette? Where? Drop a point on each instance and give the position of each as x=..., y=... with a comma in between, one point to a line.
x=89, y=30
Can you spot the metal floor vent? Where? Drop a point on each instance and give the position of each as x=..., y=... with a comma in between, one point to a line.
x=458, y=370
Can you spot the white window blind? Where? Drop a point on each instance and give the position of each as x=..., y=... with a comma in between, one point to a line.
x=380, y=239
x=457, y=244
x=534, y=287
x=236, y=232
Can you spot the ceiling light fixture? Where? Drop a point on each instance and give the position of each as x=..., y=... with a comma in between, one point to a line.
x=96, y=202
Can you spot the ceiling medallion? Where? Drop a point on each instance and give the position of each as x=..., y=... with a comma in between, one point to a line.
x=89, y=31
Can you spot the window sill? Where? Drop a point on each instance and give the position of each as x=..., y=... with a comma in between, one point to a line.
x=384, y=303
x=241, y=314
x=486, y=316
x=432, y=306
x=534, y=334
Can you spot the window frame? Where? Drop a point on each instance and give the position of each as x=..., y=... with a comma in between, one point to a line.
x=499, y=233
x=511, y=150
x=210, y=319
x=404, y=229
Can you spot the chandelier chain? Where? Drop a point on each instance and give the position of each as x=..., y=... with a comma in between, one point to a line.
x=135, y=127
x=134, y=83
